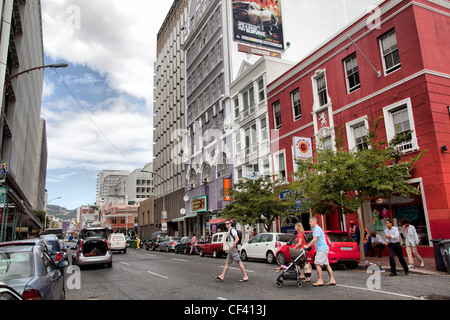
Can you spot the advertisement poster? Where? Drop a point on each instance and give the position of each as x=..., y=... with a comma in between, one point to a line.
x=302, y=148
x=258, y=22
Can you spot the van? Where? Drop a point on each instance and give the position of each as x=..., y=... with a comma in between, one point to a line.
x=118, y=242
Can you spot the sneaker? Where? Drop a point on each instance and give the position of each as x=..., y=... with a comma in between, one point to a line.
x=422, y=264
x=411, y=266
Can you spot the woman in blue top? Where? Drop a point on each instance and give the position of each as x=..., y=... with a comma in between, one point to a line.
x=321, y=258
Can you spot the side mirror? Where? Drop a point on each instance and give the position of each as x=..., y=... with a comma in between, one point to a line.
x=63, y=264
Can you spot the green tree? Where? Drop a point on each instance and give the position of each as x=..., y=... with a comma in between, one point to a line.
x=256, y=202
x=344, y=180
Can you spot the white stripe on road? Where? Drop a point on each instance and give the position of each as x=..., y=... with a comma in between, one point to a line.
x=220, y=298
x=238, y=269
x=158, y=275
x=150, y=255
x=125, y=263
x=181, y=260
x=380, y=291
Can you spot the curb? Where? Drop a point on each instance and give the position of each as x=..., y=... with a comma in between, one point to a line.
x=362, y=266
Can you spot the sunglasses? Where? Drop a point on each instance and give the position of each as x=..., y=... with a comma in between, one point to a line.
x=227, y=223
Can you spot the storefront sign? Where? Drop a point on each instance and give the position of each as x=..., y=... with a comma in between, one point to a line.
x=302, y=148
x=199, y=204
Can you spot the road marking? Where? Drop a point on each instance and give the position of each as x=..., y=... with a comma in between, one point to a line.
x=150, y=255
x=125, y=263
x=380, y=291
x=220, y=298
x=180, y=260
x=238, y=269
x=158, y=275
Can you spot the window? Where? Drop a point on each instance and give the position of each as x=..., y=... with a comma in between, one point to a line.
x=206, y=173
x=251, y=141
x=327, y=144
x=222, y=166
x=322, y=90
x=261, y=90
x=249, y=101
x=352, y=73
x=236, y=108
x=360, y=133
x=281, y=166
x=399, y=119
x=264, y=132
x=389, y=50
x=277, y=114
x=192, y=178
x=295, y=97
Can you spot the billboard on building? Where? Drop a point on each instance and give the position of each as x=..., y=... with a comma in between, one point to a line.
x=258, y=22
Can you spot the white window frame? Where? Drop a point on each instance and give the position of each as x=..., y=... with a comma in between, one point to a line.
x=277, y=127
x=276, y=163
x=350, y=128
x=317, y=107
x=383, y=60
x=347, y=75
x=296, y=117
x=389, y=122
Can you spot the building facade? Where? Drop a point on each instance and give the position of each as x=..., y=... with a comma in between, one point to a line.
x=169, y=123
x=21, y=48
x=393, y=65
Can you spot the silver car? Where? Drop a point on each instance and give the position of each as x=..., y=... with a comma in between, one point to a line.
x=28, y=268
x=92, y=251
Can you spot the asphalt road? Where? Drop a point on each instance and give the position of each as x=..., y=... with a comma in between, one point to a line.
x=148, y=275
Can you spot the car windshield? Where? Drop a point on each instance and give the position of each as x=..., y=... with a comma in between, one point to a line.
x=340, y=237
x=15, y=265
x=52, y=245
x=284, y=237
x=238, y=5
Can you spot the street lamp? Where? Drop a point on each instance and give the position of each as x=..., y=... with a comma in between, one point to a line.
x=45, y=214
x=5, y=84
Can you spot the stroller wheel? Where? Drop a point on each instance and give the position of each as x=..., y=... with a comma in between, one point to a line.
x=279, y=284
x=300, y=284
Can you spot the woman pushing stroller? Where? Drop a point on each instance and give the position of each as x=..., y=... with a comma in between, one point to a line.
x=301, y=241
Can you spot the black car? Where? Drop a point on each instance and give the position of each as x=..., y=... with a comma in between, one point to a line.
x=155, y=239
x=185, y=247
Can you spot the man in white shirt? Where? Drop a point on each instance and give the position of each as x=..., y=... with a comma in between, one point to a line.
x=378, y=242
x=395, y=248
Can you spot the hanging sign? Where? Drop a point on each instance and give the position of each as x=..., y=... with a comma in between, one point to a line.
x=302, y=148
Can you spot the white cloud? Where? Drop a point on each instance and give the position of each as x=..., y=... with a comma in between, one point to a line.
x=115, y=38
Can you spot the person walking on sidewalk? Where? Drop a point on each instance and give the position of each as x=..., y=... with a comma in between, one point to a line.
x=411, y=242
x=233, y=253
x=321, y=258
x=395, y=248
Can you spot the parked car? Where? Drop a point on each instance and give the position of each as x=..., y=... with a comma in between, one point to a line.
x=343, y=249
x=184, y=245
x=92, y=251
x=168, y=244
x=9, y=294
x=254, y=14
x=216, y=247
x=155, y=239
x=117, y=242
x=28, y=268
x=54, y=247
x=264, y=246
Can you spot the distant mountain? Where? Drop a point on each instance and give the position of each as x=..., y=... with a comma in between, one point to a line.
x=61, y=212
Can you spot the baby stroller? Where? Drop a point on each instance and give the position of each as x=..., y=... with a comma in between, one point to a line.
x=291, y=272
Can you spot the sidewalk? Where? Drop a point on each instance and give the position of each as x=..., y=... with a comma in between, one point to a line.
x=383, y=263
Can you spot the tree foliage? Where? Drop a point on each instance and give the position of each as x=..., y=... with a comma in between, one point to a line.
x=256, y=202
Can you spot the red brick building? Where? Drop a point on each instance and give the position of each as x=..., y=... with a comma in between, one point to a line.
x=395, y=63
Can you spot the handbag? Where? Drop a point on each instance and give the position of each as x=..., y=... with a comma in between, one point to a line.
x=307, y=269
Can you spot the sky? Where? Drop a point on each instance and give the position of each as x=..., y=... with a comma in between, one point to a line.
x=99, y=109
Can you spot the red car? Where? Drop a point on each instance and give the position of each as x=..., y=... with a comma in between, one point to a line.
x=343, y=249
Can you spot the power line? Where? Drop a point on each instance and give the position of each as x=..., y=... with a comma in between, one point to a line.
x=92, y=120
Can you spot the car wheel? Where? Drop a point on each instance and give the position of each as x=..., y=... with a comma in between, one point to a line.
x=185, y=251
x=281, y=259
x=244, y=256
x=201, y=253
x=167, y=249
x=260, y=24
x=270, y=257
x=215, y=255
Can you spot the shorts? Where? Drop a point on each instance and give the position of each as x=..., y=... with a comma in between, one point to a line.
x=233, y=256
x=321, y=258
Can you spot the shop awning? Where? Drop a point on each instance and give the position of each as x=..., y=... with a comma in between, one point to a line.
x=192, y=215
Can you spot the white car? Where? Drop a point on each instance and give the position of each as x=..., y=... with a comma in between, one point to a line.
x=118, y=242
x=264, y=246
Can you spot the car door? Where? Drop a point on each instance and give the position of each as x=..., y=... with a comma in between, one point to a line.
x=252, y=247
x=55, y=278
x=263, y=245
